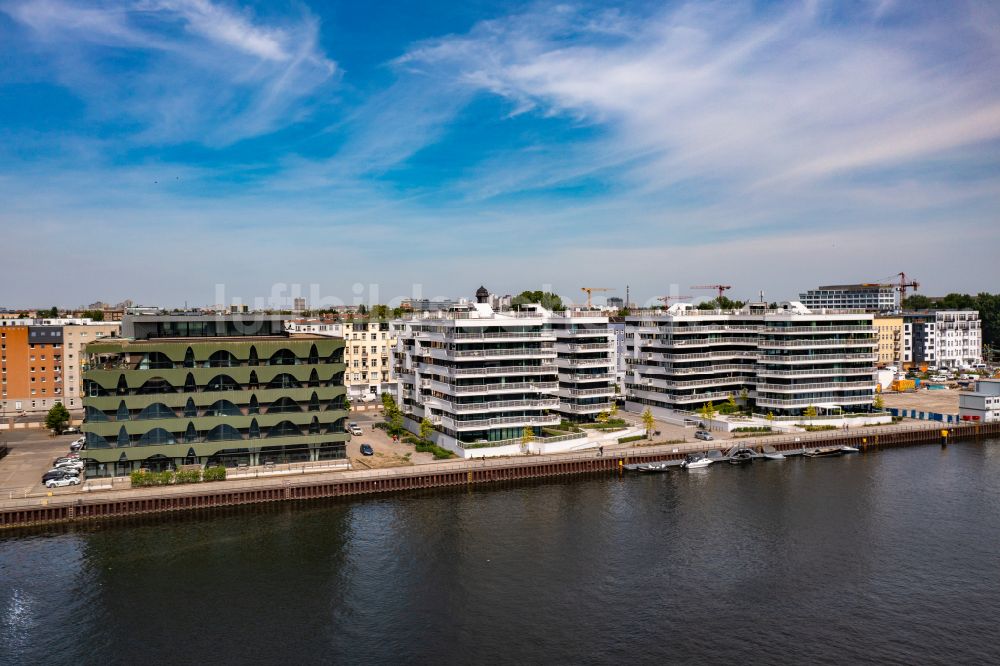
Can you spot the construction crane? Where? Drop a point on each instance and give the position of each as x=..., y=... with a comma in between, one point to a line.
x=904, y=285
x=720, y=287
x=591, y=290
x=666, y=299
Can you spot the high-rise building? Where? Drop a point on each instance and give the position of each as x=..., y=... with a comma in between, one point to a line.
x=211, y=390
x=782, y=360
x=868, y=297
x=482, y=377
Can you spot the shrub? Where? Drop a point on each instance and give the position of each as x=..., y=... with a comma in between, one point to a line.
x=187, y=476
x=816, y=428
x=214, y=474
x=632, y=438
x=753, y=429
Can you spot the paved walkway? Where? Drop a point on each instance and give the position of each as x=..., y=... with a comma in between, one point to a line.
x=63, y=496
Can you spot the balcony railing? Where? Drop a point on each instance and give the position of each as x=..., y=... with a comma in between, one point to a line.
x=477, y=424
x=826, y=372
x=824, y=342
x=815, y=402
x=604, y=390
x=817, y=358
x=510, y=386
x=824, y=386
x=585, y=409
x=583, y=362
x=818, y=330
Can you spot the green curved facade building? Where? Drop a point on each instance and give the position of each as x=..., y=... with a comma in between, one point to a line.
x=162, y=402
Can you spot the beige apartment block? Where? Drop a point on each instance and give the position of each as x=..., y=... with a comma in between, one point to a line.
x=75, y=338
x=889, y=333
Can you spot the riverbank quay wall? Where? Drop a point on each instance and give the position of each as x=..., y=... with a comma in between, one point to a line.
x=71, y=508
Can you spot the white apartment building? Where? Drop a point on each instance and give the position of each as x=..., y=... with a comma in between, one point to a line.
x=942, y=338
x=783, y=361
x=482, y=377
x=367, y=350
x=869, y=297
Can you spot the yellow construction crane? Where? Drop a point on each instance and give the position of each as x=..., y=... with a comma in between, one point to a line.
x=591, y=290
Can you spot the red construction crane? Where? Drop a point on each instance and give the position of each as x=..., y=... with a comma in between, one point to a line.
x=720, y=287
x=666, y=299
x=903, y=285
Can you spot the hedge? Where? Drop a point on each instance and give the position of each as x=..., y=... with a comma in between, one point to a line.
x=633, y=438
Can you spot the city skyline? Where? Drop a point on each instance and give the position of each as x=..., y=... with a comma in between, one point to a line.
x=162, y=148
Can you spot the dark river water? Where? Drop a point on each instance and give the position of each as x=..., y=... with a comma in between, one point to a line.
x=887, y=557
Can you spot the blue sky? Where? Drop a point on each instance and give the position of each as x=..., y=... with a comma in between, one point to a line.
x=154, y=149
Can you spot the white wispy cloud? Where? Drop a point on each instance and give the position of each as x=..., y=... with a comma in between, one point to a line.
x=181, y=70
x=715, y=90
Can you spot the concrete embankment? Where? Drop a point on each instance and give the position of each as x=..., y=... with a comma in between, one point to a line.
x=77, y=507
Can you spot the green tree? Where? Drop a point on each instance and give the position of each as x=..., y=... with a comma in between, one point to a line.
x=721, y=303
x=613, y=412
x=546, y=299
x=362, y=309
x=917, y=302
x=647, y=421
x=426, y=429
x=879, y=402
x=527, y=437
x=396, y=425
x=57, y=419
x=398, y=313
x=602, y=417
x=810, y=412
x=708, y=410
x=389, y=405
x=770, y=416
x=52, y=312
x=380, y=311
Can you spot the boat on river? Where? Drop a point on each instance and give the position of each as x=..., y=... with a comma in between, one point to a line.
x=654, y=467
x=696, y=461
x=824, y=452
x=771, y=453
x=741, y=457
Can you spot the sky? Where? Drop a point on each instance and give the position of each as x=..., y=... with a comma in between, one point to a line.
x=201, y=151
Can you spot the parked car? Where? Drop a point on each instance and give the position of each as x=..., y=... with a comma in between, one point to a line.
x=76, y=446
x=65, y=471
x=69, y=464
x=367, y=450
x=354, y=429
x=703, y=434
x=57, y=474
x=65, y=481
x=71, y=430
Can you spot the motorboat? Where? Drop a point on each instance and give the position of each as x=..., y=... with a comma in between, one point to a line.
x=654, y=467
x=741, y=457
x=824, y=452
x=695, y=461
x=850, y=449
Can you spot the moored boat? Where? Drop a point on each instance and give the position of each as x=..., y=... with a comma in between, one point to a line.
x=824, y=452
x=741, y=457
x=695, y=461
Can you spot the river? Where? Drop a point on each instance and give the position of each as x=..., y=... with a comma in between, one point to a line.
x=891, y=557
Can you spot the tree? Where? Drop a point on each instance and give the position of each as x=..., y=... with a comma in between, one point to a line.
x=527, y=437
x=546, y=299
x=708, y=410
x=362, y=309
x=917, y=302
x=647, y=421
x=745, y=399
x=770, y=416
x=879, y=402
x=396, y=423
x=389, y=405
x=52, y=312
x=380, y=311
x=57, y=419
x=602, y=417
x=398, y=313
x=426, y=429
x=614, y=410
x=810, y=412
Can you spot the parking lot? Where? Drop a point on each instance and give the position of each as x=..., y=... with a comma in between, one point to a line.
x=387, y=452
x=31, y=455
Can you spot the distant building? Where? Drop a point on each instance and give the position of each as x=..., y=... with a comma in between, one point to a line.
x=185, y=390
x=40, y=361
x=981, y=405
x=428, y=305
x=868, y=297
x=367, y=353
x=889, y=332
x=942, y=338
x=616, y=302
x=298, y=305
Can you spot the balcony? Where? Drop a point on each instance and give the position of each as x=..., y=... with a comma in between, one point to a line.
x=576, y=393
x=816, y=358
x=583, y=362
x=814, y=402
x=503, y=335
x=592, y=408
x=706, y=342
x=695, y=383
x=594, y=347
x=479, y=424
x=500, y=371
x=583, y=377
x=825, y=342
x=497, y=388
x=818, y=330
x=824, y=386
x=822, y=372
x=704, y=356
x=500, y=405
